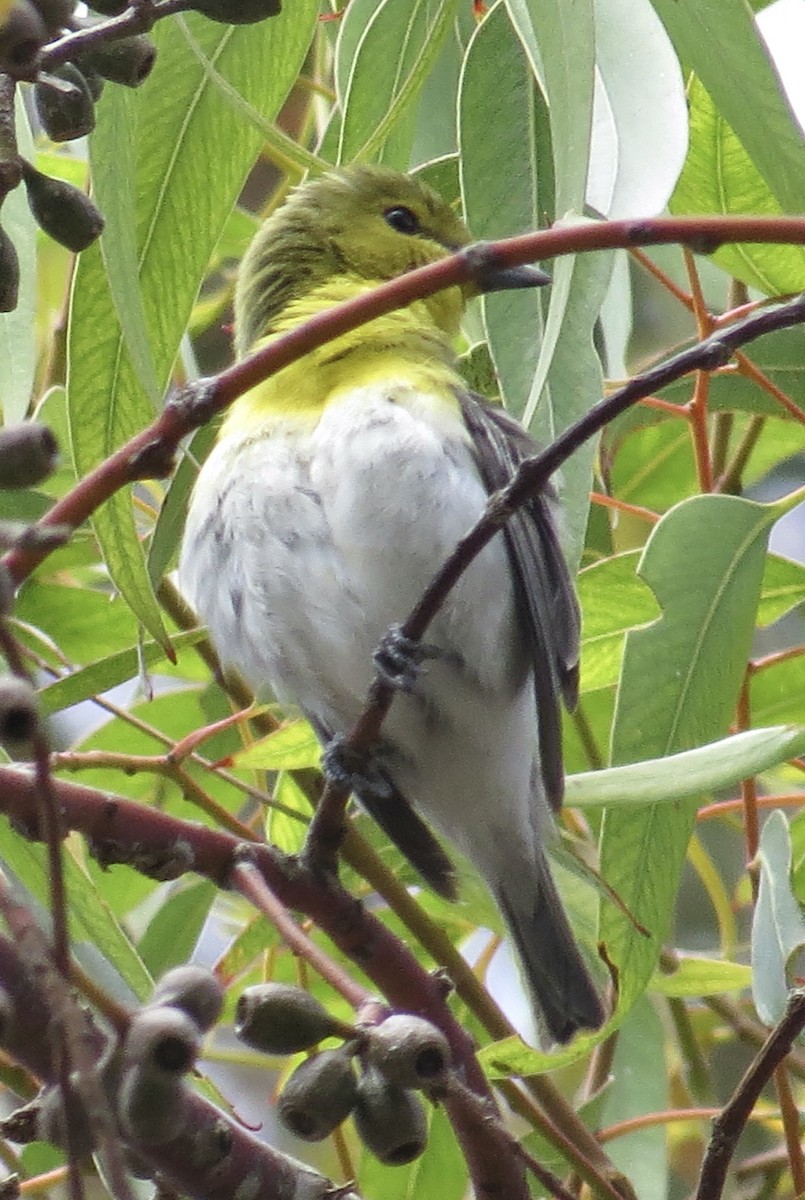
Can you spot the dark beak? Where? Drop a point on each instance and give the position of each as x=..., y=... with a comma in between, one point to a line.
x=504, y=279
x=489, y=276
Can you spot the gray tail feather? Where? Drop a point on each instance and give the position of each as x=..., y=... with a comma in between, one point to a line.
x=554, y=970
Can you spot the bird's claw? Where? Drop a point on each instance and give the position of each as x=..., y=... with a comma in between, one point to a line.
x=398, y=659
x=347, y=770
x=339, y=763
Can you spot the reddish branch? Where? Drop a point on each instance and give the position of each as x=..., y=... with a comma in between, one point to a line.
x=159, y=845
x=150, y=453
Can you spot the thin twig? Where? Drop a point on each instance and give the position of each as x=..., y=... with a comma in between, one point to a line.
x=729, y=1124
x=251, y=884
x=791, y=1119
x=544, y=1177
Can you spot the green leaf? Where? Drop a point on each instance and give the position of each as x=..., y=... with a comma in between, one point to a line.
x=435, y=131
x=178, y=178
x=783, y=588
x=109, y=671
x=405, y=34
x=522, y=162
x=292, y=747
x=679, y=684
x=115, y=192
x=696, y=772
x=776, y=693
x=511, y=1056
x=654, y=466
x=719, y=177
x=613, y=600
x=559, y=42
x=84, y=624
x=778, y=928
x=173, y=931
x=742, y=68
x=287, y=823
x=94, y=929
x=503, y=119
x=639, y=1085
x=702, y=977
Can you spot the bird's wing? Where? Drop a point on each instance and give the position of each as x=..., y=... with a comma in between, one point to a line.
x=403, y=825
x=549, y=611
x=384, y=802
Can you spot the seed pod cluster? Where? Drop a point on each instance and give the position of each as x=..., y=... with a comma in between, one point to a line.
x=65, y=97
x=400, y=1056
x=160, y=1048
x=29, y=453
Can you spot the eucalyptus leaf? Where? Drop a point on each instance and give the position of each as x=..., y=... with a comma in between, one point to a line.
x=721, y=764
x=679, y=684
x=778, y=927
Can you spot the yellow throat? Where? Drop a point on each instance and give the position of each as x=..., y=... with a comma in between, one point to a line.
x=413, y=345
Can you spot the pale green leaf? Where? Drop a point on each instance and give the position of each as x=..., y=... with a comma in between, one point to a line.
x=640, y=119
x=709, y=768
x=778, y=928
x=292, y=747
x=702, y=977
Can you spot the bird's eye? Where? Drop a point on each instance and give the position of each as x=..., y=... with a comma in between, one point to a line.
x=402, y=219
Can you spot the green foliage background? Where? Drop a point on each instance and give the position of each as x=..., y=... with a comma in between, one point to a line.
x=525, y=115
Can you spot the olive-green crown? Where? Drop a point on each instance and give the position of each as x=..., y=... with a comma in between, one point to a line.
x=367, y=222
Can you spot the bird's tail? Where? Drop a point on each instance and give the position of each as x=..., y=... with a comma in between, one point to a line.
x=557, y=978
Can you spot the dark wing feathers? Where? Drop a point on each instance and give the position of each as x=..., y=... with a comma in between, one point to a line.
x=403, y=825
x=549, y=610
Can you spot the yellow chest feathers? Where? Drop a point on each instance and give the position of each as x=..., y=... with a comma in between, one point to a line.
x=412, y=346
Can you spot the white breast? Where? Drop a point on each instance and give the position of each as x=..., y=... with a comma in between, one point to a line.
x=305, y=545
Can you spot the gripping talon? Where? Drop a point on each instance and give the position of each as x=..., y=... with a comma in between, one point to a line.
x=346, y=769
x=340, y=765
x=399, y=659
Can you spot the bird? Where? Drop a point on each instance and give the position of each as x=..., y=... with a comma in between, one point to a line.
x=335, y=489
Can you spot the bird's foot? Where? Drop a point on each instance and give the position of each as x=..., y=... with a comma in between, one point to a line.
x=352, y=772
x=399, y=659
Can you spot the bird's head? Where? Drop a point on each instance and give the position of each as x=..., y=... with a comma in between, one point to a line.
x=366, y=222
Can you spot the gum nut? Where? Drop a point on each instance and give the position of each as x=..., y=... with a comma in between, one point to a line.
x=162, y=1039
x=389, y=1120
x=193, y=990
x=319, y=1095
x=409, y=1051
x=280, y=1019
